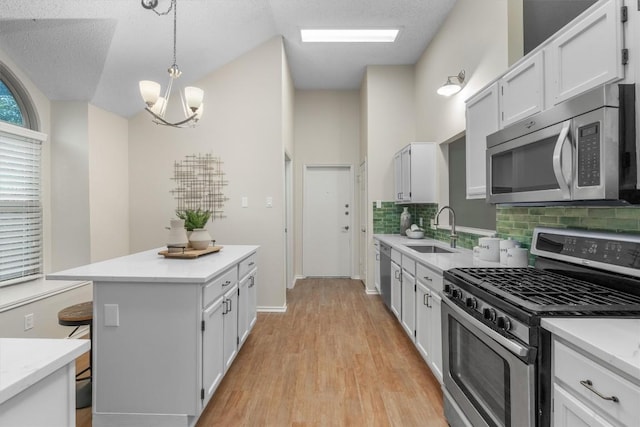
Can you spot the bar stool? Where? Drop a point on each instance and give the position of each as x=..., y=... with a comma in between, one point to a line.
x=79, y=315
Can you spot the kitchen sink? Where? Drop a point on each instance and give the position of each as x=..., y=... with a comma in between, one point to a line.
x=430, y=249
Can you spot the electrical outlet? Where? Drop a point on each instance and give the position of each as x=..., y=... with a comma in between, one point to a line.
x=421, y=221
x=432, y=224
x=28, y=321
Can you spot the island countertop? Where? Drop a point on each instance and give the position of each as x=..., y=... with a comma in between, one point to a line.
x=149, y=266
x=25, y=361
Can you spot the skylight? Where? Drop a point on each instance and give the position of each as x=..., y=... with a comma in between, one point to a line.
x=371, y=35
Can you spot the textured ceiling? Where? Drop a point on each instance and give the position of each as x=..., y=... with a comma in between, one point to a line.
x=98, y=50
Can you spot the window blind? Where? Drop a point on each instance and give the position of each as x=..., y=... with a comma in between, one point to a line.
x=20, y=209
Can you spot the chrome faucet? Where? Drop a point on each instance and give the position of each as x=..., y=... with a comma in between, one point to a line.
x=453, y=237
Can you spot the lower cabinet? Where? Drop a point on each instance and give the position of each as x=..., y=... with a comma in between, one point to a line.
x=212, y=351
x=376, y=272
x=408, y=318
x=246, y=305
x=428, y=320
x=587, y=392
x=230, y=325
x=396, y=289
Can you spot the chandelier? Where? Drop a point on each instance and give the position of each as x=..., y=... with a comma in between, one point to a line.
x=156, y=105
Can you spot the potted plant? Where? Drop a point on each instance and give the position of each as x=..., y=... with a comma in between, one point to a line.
x=195, y=221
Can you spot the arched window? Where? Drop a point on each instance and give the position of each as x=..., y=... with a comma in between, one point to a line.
x=15, y=104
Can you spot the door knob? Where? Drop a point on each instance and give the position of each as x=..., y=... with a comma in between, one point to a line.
x=346, y=227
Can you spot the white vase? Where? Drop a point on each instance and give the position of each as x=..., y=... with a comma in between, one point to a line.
x=177, y=234
x=200, y=238
x=405, y=221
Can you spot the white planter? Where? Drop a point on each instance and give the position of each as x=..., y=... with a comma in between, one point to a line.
x=200, y=239
x=177, y=234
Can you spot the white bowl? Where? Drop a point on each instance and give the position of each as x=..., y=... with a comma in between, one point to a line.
x=415, y=234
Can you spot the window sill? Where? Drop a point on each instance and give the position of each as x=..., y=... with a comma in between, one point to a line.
x=13, y=296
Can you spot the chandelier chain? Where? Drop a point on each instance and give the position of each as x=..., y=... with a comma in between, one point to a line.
x=175, y=13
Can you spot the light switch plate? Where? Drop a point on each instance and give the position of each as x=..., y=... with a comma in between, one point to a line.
x=245, y=202
x=378, y=204
x=111, y=315
x=269, y=202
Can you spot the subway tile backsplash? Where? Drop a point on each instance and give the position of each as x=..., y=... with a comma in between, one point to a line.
x=515, y=222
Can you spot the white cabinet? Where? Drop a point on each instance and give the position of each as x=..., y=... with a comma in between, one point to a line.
x=428, y=321
x=522, y=90
x=408, y=315
x=230, y=326
x=588, y=53
x=586, y=392
x=482, y=116
x=212, y=349
x=396, y=289
x=415, y=173
x=246, y=297
x=376, y=273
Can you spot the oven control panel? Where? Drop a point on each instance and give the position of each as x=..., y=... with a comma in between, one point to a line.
x=486, y=313
x=591, y=247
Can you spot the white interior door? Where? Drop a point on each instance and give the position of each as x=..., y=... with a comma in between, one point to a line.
x=327, y=221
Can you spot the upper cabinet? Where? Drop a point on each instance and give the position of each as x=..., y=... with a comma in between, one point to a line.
x=586, y=53
x=482, y=120
x=522, y=90
x=589, y=53
x=415, y=173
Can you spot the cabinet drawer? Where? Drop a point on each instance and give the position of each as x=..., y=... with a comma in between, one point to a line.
x=396, y=256
x=409, y=265
x=429, y=277
x=219, y=285
x=572, y=368
x=247, y=264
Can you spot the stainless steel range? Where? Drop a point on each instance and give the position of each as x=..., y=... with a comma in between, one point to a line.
x=496, y=357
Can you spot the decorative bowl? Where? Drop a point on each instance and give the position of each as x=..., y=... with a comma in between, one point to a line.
x=415, y=234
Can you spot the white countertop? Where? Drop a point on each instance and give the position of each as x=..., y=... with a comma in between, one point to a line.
x=149, y=266
x=24, y=362
x=439, y=262
x=614, y=341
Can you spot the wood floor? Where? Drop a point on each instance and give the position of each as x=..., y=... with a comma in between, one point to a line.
x=337, y=357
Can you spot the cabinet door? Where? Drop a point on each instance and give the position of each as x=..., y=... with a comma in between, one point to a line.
x=435, y=337
x=482, y=117
x=397, y=169
x=243, y=309
x=570, y=412
x=212, y=349
x=252, y=297
x=522, y=90
x=376, y=273
x=396, y=289
x=405, y=156
x=588, y=54
x=230, y=321
x=423, y=322
x=409, y=304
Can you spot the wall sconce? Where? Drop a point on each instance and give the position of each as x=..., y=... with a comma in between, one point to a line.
x=453, y=85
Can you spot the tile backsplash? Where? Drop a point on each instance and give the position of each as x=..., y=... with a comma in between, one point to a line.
x=515, y=222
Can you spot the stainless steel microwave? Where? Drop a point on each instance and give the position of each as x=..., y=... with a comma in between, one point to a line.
x=581, y=150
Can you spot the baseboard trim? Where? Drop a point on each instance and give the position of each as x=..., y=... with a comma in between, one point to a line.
x=372, y=292
x=268, y=309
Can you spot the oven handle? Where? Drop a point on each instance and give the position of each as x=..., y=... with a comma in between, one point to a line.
x=511, y=345
x=557, y=159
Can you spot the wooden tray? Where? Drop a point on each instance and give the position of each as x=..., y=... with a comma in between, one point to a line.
x=190, y=253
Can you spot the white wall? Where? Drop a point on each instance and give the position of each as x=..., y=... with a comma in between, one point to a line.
x=327, y=132
x=108, y=184
x=243, y=124
x=71, y=240
x=474, y=37
x=389, y=93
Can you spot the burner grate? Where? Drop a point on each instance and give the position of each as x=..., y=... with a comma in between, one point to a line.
x=545, y=291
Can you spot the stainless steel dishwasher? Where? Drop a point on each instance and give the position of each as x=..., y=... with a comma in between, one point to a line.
x=385, y=273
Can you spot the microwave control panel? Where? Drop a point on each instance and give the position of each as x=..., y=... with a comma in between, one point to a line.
x=588, y=143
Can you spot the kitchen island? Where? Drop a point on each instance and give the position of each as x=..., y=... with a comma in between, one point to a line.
x=165, y=331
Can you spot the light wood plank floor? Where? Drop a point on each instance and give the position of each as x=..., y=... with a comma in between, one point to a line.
x=337, y=357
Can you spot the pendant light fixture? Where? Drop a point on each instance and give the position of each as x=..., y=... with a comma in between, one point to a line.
x=191, y=99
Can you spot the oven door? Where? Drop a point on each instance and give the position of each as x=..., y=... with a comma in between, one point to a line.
x=532, y=168
x=488, y=380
